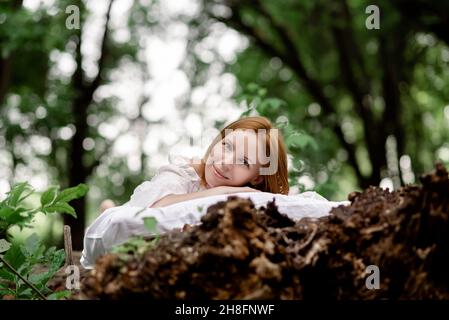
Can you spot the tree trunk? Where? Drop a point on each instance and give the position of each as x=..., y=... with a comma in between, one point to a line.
x=5, y=77
x=80, y=171
x=6, y=63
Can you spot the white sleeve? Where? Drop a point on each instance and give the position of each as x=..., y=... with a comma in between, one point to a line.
x=169, y=180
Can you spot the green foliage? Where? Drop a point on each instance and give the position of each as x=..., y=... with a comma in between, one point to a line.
x=21, y=264
x=13, y=210
x=27, y=259
x=138, y=245
x=150, y=224
x=135, y=246
x=256, y=101
x=41, y=95
x=52, y=201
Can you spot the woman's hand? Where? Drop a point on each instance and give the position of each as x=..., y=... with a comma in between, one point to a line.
x=229, y=190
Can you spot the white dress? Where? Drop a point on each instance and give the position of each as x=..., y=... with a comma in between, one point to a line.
x=117, y=224
x=178, y=177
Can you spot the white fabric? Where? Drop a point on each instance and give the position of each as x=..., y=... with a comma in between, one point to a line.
x=178, y=177
x=116, y=225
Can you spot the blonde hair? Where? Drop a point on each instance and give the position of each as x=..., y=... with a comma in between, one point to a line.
x=275, y=183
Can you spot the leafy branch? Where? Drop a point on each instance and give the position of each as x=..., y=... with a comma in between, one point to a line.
x=19, y=277
x=22, y=278
x=13, y=211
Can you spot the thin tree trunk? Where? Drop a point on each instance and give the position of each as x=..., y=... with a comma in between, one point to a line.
x=79, y=171
x=5, y=77
x=6, y=63
x=392, y=61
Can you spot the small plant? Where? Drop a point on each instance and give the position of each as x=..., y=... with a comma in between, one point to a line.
x=20, y=277
x=138, y=245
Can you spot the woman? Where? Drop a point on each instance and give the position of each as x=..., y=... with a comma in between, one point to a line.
x=233, y=163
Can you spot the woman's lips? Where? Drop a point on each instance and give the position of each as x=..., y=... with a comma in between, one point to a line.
x=217, y=173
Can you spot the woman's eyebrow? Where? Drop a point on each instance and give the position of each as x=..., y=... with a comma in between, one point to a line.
x=230, y=142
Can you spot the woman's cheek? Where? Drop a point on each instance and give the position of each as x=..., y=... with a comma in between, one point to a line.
x=209, y=177
x=238, y=179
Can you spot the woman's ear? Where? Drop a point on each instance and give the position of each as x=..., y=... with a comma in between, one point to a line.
x=257, y=180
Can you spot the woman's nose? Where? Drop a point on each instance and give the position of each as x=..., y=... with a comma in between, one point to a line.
x=227, y=159
x=226, y=162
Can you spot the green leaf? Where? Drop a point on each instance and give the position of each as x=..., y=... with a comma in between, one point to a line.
x=14, y=196
x=6, y=274
x=40, y=278
x=150, y=224
x=58, y=295
x=25, y=292
x=19, y=216
x=60, y=207
x=55, y=259
x=4, y=245
x=48, y=196
x=31, y=245
x=72, y=193
x=129, y=246
x=4, y=292
x=5, y=212
x=15, y=256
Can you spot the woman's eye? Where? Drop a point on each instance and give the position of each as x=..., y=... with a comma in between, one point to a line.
x=226, y=144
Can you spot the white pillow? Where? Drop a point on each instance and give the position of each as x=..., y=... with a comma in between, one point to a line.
x=116, y=225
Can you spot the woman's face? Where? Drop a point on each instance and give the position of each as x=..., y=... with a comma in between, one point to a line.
x=233, y=161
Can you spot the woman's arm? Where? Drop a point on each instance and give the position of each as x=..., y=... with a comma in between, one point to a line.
x=175, y=198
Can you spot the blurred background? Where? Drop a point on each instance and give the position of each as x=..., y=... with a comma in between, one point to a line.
x=104, y=102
